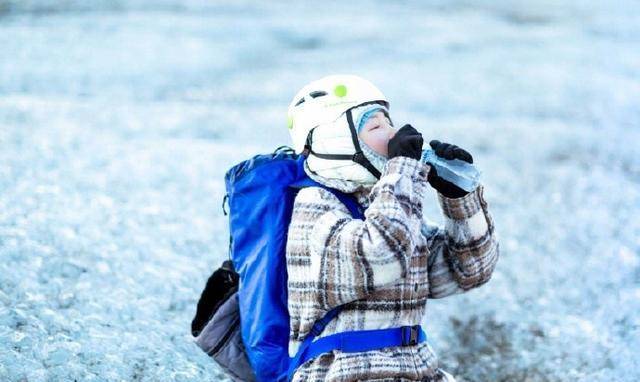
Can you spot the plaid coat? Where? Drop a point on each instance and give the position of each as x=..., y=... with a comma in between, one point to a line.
x=384, y=269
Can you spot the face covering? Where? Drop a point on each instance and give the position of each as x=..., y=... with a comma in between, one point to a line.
x=377, y=160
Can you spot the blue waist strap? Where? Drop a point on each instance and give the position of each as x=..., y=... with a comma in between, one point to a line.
x=356, y=341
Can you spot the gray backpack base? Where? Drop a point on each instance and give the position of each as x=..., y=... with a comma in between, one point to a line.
x=221, y=339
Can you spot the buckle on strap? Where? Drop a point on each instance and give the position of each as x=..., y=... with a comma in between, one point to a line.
x=359, y=157
x=410, y=335
x=317, y=328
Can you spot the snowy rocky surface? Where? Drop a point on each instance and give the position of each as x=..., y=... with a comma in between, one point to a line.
x=118, y=120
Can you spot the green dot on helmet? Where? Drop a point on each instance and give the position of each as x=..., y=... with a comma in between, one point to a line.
x=340, y=91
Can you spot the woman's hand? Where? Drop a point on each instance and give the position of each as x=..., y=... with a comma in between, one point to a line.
x=447, y=151
x=406, y=142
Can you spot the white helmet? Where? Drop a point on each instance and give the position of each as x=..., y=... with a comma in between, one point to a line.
x=321, y=124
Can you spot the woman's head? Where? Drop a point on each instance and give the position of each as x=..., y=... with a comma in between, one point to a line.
x=324, y=121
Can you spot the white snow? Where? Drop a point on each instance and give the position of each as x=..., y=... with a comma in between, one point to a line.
x=119, y=119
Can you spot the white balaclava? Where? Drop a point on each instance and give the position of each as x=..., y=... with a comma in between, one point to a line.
x=335, y=138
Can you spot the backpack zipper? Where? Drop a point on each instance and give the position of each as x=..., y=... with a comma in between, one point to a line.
x=225, y=338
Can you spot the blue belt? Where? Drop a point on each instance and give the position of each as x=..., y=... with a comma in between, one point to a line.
x=352, y=341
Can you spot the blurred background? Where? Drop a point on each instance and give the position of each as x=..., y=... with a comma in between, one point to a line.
x=118, y=120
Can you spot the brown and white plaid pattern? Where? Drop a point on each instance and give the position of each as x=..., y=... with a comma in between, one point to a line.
x=384, y=269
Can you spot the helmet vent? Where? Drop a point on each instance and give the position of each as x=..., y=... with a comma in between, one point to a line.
x=318, y=93
x=300, y=101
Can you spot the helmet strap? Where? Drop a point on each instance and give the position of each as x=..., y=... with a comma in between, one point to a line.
x=359, y=157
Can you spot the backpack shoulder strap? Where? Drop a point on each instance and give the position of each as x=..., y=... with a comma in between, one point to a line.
x=356, y=210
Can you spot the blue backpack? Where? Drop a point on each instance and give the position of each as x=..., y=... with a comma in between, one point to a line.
x=242, y=319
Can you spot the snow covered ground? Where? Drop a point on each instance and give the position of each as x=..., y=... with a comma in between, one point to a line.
x=118, y=120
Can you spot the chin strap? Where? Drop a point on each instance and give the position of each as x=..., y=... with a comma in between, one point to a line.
x=357, y=157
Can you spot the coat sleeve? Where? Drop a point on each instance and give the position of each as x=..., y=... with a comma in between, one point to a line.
x=463, y=253
x=349, y=257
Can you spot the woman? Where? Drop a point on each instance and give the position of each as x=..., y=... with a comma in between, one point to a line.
x=382, y=269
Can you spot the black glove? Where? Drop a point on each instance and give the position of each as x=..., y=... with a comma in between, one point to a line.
x=447, y=151
x=220, y=286
x=407, y=142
